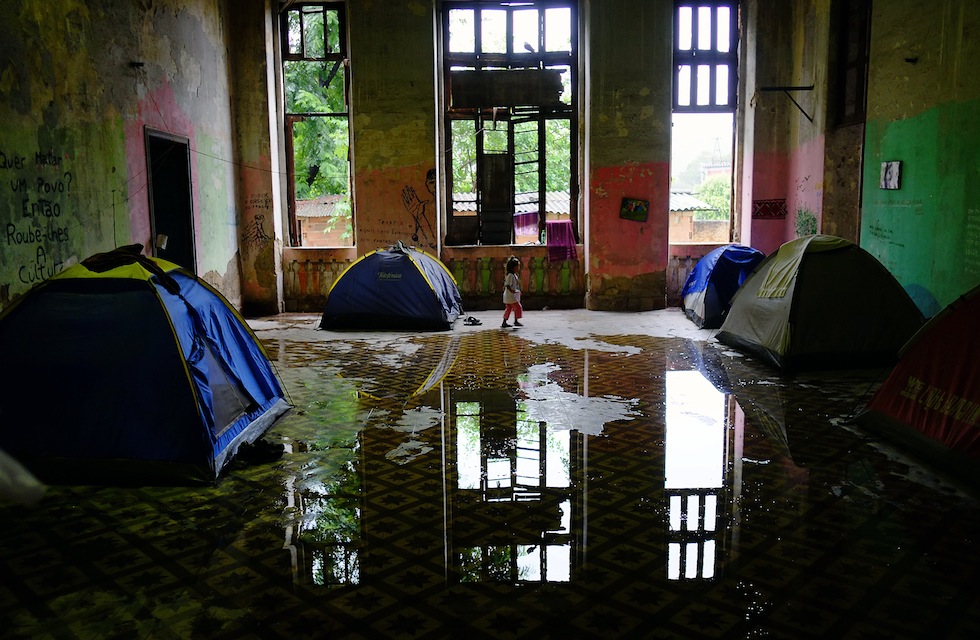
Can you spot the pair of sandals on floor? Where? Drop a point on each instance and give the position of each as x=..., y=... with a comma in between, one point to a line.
x=471, y=321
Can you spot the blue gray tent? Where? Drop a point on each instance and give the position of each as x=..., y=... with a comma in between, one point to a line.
x=707, y=294
x=398, y=288
x=130, y=370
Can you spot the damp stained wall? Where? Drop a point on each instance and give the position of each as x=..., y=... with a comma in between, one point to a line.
x=801, y=165
x=764, y=145
x=628, y=91
x=785, y=46
x=393, y=124
x=924, y=111
x=73, y=170
x=809, y=121
x=258, y=169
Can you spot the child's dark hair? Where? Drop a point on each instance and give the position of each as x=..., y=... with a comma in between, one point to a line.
x=512, y=263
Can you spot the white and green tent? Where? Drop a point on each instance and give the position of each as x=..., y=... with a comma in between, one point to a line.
x=821, y=302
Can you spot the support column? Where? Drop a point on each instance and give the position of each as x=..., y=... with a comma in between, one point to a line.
x=256, y=121
x=629, y=96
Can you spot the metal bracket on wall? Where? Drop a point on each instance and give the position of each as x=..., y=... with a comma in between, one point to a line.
x=786, y=90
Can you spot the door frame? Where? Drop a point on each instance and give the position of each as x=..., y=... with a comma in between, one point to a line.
x=178, y=224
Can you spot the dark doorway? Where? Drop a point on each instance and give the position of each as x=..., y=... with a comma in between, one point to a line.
x=169, y=186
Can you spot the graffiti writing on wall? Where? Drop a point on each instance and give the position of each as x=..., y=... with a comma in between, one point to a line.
x=255, y=233
x=38, y=189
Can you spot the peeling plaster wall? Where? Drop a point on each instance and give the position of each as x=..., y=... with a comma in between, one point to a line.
x=786, y=45
x=806, y=154
x=841, y=211
x=73, y=176
x=923, y=106
x=629, y=53
x=258, y=169
x=393, y=128
x=843, y=145
x=768, y=45
x=923, y=101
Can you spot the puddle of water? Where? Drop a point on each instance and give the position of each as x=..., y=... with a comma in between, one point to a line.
x=606, y=484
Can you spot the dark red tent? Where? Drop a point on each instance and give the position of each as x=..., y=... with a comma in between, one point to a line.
x=932, y=396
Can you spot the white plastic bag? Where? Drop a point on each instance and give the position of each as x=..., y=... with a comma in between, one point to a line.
x=17, y=484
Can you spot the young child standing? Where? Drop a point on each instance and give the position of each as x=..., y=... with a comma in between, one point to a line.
x=512, y=292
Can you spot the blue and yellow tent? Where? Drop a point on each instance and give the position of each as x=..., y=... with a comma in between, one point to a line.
x=399, y=288
x=130, y=370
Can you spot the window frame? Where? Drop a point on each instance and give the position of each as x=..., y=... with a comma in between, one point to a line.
x=854, y=28
x=340, y=58
x=709, y=57
x=481, y=59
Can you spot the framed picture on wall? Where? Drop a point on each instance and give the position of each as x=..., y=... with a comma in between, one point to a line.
x=891, y=174
x=633, y=209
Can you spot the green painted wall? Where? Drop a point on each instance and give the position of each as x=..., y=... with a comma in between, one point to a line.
x=74, y=109
x=923, y=103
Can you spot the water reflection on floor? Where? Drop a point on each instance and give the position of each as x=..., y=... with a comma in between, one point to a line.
x=483, y=484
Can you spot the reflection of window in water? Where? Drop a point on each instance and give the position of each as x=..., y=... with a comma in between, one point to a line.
x=503, y=458
x=516, y=563
x=695, y=464
x=330, y=535
x=327, y=538
x=509, y=463
x=334, y=565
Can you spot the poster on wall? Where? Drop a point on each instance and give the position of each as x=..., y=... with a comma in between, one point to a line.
x=633, y=209
x=891, y=175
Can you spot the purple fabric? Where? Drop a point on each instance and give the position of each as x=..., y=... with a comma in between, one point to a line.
x=561, y=240
x=526, y=224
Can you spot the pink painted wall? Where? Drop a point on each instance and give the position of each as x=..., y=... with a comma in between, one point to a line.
x=797, y=176
x=784, y=45
x=806, y=177
x=620, y=247
x=769, y=182
x=157, y=109
x=628, y=131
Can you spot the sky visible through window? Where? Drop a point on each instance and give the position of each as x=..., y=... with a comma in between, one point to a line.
x=699, y=135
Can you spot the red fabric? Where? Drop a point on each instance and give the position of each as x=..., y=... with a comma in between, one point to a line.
x=935, y=387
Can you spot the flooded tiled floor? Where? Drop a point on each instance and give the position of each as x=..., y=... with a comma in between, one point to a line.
x=587, y=476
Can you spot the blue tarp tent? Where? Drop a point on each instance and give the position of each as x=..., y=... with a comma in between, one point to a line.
x=130, y=370
x=707, y=294
x=395, y=288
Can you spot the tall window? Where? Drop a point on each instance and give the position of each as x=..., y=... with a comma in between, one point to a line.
x=704, y=100
x=510, y=117
x=705, y=55
x=314, y=47
x=852, y=69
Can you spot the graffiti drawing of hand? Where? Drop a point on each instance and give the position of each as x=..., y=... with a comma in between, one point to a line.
x=411, y=201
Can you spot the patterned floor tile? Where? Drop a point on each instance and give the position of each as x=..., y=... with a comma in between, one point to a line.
x=487, y=485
